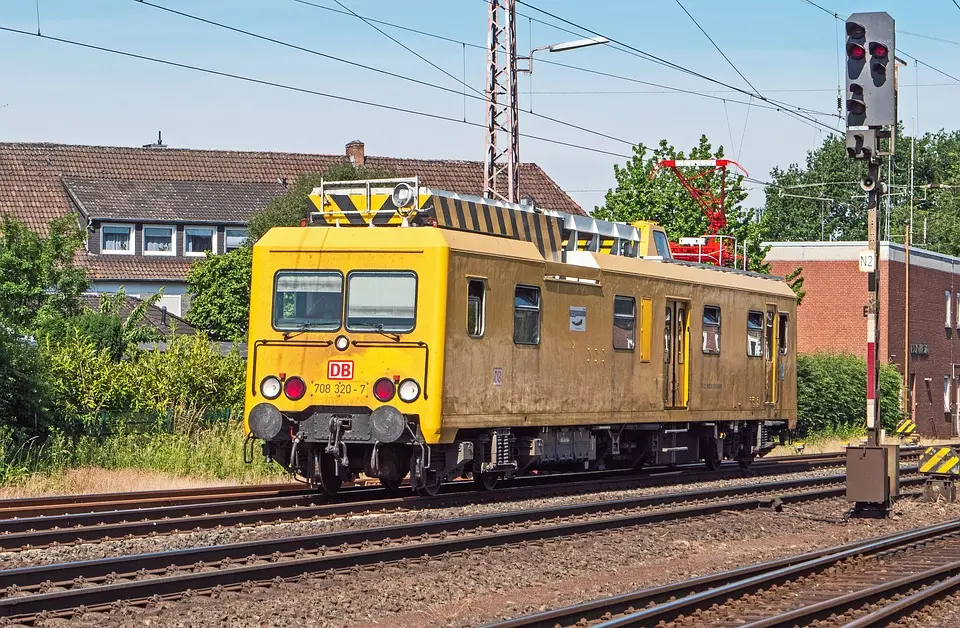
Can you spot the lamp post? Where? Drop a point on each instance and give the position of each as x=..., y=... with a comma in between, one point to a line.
x=561, y=47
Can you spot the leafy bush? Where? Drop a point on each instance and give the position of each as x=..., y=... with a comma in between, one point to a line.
x=831, y=394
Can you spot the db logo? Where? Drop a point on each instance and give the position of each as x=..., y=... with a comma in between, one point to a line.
x=340, y=369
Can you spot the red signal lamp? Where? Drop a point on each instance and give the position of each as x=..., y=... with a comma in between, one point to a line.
x=856, y=52
x=878, y=50
x=294, y=388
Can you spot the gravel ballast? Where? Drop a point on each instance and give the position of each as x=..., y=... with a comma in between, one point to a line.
x=474, y=588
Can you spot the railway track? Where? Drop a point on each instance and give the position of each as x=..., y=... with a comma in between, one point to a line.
x=105, y=502
x=866, y=583
x=59, y=590
x=279, y=504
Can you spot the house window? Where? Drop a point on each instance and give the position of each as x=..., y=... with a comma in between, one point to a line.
x=754, y=334
x=624, y=323
x=711, y=330
x=949, y=302
x=526, y=315
x=199, y=240
x=946, y=393
x=117, y=239
x=234, y=237
x=158, y=240
x=476, y=307
x=782, y=334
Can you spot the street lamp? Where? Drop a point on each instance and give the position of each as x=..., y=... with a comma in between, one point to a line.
x=561, y=47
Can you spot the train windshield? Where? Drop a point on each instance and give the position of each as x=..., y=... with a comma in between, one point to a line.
x=308, y=300
x=382, y=301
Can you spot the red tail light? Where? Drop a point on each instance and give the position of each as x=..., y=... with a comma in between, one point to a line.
x=384, y=389
x=294, y=388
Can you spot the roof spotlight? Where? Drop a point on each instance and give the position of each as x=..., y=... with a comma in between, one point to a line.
x=402, y=195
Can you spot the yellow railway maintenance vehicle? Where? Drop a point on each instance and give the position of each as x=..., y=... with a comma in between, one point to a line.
x=410, y=330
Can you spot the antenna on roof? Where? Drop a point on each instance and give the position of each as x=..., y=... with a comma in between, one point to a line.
x=159, y=143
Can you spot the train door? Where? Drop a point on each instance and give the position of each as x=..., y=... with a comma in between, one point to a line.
x=676, y=336
x=771, y=355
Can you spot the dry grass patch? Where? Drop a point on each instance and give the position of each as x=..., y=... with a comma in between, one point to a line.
x=98, y=480
x=830, y=445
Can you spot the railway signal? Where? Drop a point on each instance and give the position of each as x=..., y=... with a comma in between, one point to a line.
x=872, y=469
x=871, y=88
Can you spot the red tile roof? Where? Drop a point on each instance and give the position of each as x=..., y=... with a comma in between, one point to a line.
x=32, y=184
x=31, y=188
x=124, y=267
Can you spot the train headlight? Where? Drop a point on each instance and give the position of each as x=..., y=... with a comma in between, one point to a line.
x=294, y=388
x=341, y=343
x=408, y=390
x=402, y=195
x=270, y=387
x=384, y=389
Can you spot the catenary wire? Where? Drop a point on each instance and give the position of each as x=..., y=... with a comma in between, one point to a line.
x=722, y=53
x=294, y=88
x=785, y=107
x=666, y=88
x=372, y=68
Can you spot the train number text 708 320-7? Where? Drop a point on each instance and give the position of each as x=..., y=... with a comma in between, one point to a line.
x=338, y=388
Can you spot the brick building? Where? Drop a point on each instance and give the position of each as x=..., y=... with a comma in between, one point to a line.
x=831, y=317
x=149, y=212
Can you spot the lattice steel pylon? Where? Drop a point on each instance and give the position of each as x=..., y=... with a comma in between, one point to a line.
x=501, y=172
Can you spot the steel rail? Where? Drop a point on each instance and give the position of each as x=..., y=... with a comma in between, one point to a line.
x=668, y=602
x=906, y=605
x=109, y=502
x=351, y=547
x=46, y=530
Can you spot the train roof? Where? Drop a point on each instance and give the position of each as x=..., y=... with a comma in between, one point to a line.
x=577, y=266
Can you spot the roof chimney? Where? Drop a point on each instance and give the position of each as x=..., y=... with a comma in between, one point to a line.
x=355, y=153
x=159, y=143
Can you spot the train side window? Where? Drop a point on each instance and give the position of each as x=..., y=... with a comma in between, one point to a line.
x=476, y=307
x=526, y=315
x=624, y=323
x=646, y=328
x=782, y=333
x=754, y=334
x=663, y=247
x=768, y=332
x=711, y=330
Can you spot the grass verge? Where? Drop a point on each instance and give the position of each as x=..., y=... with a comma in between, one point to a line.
x=133, y=461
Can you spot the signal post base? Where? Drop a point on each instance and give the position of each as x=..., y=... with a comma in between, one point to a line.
x=873, y=479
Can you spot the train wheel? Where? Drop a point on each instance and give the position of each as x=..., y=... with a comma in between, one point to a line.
x=429, y=490
x=330, y=480
x=485, y=481
x=712, y=464
x=391, y=484
x=745, y=462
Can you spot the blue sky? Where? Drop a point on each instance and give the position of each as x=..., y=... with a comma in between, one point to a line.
x=61, y=93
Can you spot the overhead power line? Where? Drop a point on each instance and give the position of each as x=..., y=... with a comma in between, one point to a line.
x=404, y=77
x=668, y=88
x=294, y=88
x=787, y=108
x=722, y=54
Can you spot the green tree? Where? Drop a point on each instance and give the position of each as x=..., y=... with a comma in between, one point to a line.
x=663, y=199
x=37, y=276
x=822, y=199
x=24, y=388
x=220, y=289
x=219, y=285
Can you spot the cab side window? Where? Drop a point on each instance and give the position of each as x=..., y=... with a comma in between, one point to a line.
x=526, y=315
x=476, y=307
x=782, y=333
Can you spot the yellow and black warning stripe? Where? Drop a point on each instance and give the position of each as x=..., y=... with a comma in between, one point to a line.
x=906, y=427
x=358, y=207
x=473, y=214
x=351, y=210
x=940, y=461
